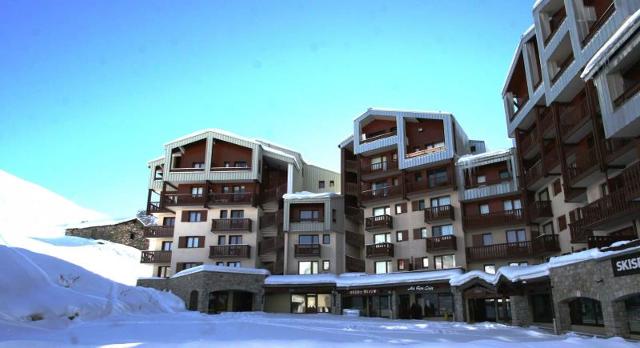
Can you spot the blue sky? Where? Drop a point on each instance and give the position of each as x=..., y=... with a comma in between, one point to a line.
x=90, y=90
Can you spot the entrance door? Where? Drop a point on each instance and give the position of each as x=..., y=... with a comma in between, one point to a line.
x=218, y=302
x=242, y=301
x=403, y=307
x=312, y=303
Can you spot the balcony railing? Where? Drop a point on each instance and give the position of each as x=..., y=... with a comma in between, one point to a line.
x=586, y=160
x=431, y=184
x=540, y=210
x=354, y=214
x=379, y=136
x=175, y=199
x=271, y=219
x=487, y=183
x=352, y=188
x=354, y=239
x=380, y=222
x=579, y=234
x=158, y=256
x=605, y=241
x=444, y=212
x=158, y=232
x=270, y=244
x=533, y=173
x=540, y=246
x=607, y=208
x=231, y=198
x=307, y=250
x=573, y=115
x=498, y=218
x=551, y=160
x=351, y=166
x=230, y=251
x=380, y=167
x=353, y=264
x=631, y=177
x=273, y=193
x=380, y=250
x=595, y=26
x=529, y=140
x=233, y=224
x=546, y=120
x=442, y=243
x=381, y=193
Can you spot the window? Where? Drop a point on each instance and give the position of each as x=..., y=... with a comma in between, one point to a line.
x=443, y=230
x=487, y=239
x=381, y=211
x=163, y=271
x=326, y=265
x=557, y=187
x=321, y=184
x=444, y=261
x=401, y=208
x=235, y=240
x=237, y=214
x=403, y=265
x=326, y=239
x=440, y=201
x=438, y=177
x=420, y=233
x=332, y=183
x=196, y=191
x=511, y=204
x=166, y=246
x=402, y=236
x=481, y=179
x=193, y=242
x=547, y=228
x=195, y=216
x=382, y=238
x=491, y=269
x=484, y=209
x=187, y=265
x=199, y=165
x=308, y=239
x=514, y=236
x=309, y=215
x=224, y=214
x=233, y=264
x=586, y=311
x=425, y=262
x=543, y=195
x=169, y=221
x=382, y=267
x=221, y=240
x=421, y=205
x=504, y=175
x=562, y=222
x=240, y=164
x=307, y=267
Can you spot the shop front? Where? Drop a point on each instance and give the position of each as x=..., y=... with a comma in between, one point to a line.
x=300, y=299
x=370, y=302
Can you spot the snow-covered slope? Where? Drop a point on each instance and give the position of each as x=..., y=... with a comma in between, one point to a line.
x=33, y=210
x=36, y=287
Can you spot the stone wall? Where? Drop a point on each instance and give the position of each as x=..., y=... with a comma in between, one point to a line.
x=128, y=233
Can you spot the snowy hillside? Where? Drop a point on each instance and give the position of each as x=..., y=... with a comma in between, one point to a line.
x=17, y=199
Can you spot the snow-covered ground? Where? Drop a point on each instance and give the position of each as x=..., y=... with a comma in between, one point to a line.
x=263, y=330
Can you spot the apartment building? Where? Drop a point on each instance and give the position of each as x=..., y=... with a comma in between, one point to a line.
x=218, y=200
x=399, y=183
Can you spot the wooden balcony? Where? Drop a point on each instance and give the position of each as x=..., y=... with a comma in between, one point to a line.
x=573, y=116
x=442, y=243
x=233, y=224
x=608, y=210
x=595, y=26
x=555, y=21
x=234, y=198
x=379, y=250
x=354, y=239
x=307, y=250
x=529, y=141
x=158, y=256
x=273, y=193
x=272, y=219
x=353, y=264
x=540, y=210
x=605, y=241
x=498, y=218
x=540, y=246
x=429, y=185
x=381, y=193
x=533, y=174
x=354, y=214
x=379, y=136
x=381, y=222
x=158, y=232
x=579, y=234
x=352, y=188
x=444, y=212
x=351, y=166
x=230, y=251
x=184, y=199
x=586, y=162
x=551, y=160
x=380, y=167
x=631, y=177
x=270, y=244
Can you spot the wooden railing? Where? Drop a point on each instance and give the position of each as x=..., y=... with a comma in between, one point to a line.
x=438, y=213
x=184, y=199
x=533, y=173
x=426, y=151
x=499, y=218
x=352, y=188
x=529, y=140
x=488, y=182
x=540, y=209
x=158, y=232
x=539, y=246
x=573, y=114
x=270, y=244
x=605, y=241
x=273, y=193
x=233, y=224
x=379, y=136
x=585, y=160
x=595, y=26
x=551, y=159
x=179, y=170
x=579, y=234
x=606, y=208
x=380, y=167
x=307, y=250
x=384, y=222
x=229, y=251
x=631, y=177
x=381, y=193
x=354, y=214
x=353, y=264
x=379, y=250
x=270, y=219
x=442, y=243
x=354, y=239
x=546, y=120
x=430, y=184
x=157, y=256
x=232, y=198
x=228, y=169
x=351, y=166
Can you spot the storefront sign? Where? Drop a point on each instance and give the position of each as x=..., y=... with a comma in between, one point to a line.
x=420, y=288
x=626, y=264
x=363, y=291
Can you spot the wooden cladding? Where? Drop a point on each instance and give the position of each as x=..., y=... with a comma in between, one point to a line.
x=233, y=224
x=230, y=251
x=271, y=244
x=354, y=239
x=444, y=212
x=159, y=256
x=442, y=243
x=540, y=246
x=158, y=232
x=498, y=218
x=379, y=250
x=307, y=250
x=381, y=222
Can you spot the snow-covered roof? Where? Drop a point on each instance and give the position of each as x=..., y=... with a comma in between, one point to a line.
x=617, y=40
x=305, y=195
x=373, y=110
x=469, y=160
x=221, y=269
x=520, y=273
x=348, y=140
x=97, y=223
x=347, y=280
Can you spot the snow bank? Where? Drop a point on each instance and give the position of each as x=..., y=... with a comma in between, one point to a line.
x=222, y=269
x=36, y=287
x=469, y=159
x=308, y=195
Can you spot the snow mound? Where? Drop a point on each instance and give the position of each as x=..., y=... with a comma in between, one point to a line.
x=308, y=195
x=36, y=287
x=17, y=199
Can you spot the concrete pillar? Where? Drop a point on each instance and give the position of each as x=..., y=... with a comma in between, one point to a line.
x=337, y=302
x=394, y=305
x=616, y=321
x=203, y=301
x=520, y=311
x=458, y=304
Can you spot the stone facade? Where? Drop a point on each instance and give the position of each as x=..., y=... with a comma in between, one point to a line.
x=128, y=232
